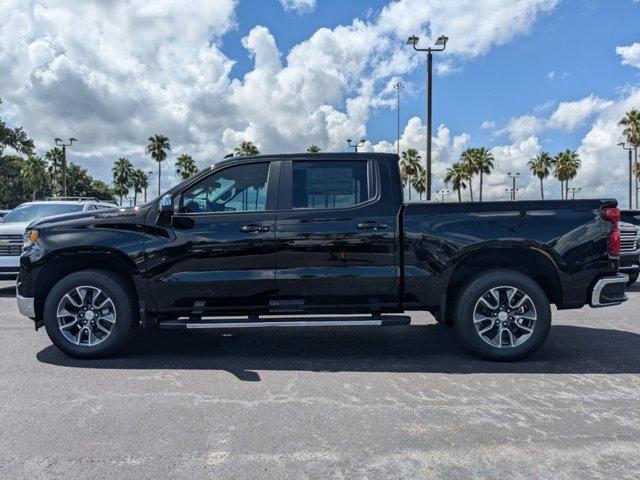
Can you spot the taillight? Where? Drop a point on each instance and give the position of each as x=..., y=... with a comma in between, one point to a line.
x=612, y=214
x=614, y=243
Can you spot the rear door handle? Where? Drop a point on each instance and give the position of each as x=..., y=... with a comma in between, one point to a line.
x=371, y=225
x=253, y=228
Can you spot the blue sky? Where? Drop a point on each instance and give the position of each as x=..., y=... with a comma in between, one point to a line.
x=518, y=76
x=576, y=41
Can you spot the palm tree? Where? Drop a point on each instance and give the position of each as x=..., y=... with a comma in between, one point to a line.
x=157, y=148
x=122, y=175
x=139, y=180
x=55, y=161
x=246, y=149
x=186, y=167
x=539, y=166
x=419, y=180
x=566, y=165
x=483, y=159
x=313, y=149
x=456, y=175
x=467, y=159
x=144, y=184
x=409, y=165
x=631, y=133
x=34, y=171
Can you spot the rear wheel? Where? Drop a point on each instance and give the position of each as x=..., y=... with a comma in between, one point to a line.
x=89, y=314
x=633, y=278
x=502, y=315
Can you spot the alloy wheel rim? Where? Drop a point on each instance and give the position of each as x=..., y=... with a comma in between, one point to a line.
x=504, y=317
x=86, y=315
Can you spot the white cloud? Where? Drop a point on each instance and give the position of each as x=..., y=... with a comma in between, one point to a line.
x=113, y=73
x=571, y=115
x=501, y=21
x=604, y=164
x=544, y=106
x=520, y=128
x=300, y=6
x=551, y=75
x=630, y=54
x=488, y=125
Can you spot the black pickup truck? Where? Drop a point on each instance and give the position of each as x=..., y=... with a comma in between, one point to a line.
x=260, y=241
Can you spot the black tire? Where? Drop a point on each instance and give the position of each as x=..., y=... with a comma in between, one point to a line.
x=470, y=295
x=633, y=278
x=122, y=300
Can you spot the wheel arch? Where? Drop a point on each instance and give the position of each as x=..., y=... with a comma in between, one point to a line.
x=535, y=263
x=61, y=264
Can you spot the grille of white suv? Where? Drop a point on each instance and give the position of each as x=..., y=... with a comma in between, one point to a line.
x=10, y=245
x=628, y=239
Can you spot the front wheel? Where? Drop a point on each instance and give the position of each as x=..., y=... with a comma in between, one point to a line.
x=88, y=314
x=502, y=315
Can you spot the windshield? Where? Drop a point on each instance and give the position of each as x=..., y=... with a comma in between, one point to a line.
x=36, y=211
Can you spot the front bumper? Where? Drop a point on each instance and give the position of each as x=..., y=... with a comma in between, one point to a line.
x=26, y=306
x=609, y=291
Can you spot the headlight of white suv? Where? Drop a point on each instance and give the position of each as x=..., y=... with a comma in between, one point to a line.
x=29, y=238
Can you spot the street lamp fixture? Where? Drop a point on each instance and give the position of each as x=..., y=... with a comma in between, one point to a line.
x=440, y=44
x=60, y=143
x=442, y=193
x=355, y=146
x=575, y=190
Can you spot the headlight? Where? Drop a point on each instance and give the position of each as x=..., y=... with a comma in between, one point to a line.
x=29, y=238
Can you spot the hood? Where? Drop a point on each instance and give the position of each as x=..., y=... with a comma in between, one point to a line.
x=92, y=217
x=13, y=228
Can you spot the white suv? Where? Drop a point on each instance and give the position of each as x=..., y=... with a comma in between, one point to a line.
x=13, y=225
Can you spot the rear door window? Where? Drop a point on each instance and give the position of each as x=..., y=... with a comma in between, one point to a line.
x=330, y=184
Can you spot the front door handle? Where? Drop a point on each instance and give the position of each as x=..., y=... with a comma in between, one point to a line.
x=253, y=228
x=371, y=225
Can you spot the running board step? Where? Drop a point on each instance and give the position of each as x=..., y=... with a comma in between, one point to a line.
x=384, y=321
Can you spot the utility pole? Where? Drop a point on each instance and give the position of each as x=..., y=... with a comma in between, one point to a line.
x=513, y=177
x=397, y=87
x=441, y=41
x=64, y=146
x=355, y=146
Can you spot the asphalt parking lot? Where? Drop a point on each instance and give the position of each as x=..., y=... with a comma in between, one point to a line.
x=394, y=402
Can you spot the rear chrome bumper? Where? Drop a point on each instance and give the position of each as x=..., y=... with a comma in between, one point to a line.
x=26, y=306
x=609, y=291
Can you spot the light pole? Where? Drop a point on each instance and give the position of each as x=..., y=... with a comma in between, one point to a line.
x=511, y=192
x=574, y=190
x=356, y=145
x=442, y=193
x=513, y=177
x=60, y=143
x=630, y=150
x=398, y=86
x=442, y=43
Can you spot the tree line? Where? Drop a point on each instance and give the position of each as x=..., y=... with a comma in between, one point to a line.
x=26, y=176
x=564, y=166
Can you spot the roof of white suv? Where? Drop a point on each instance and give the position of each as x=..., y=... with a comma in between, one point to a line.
x=30, y=211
